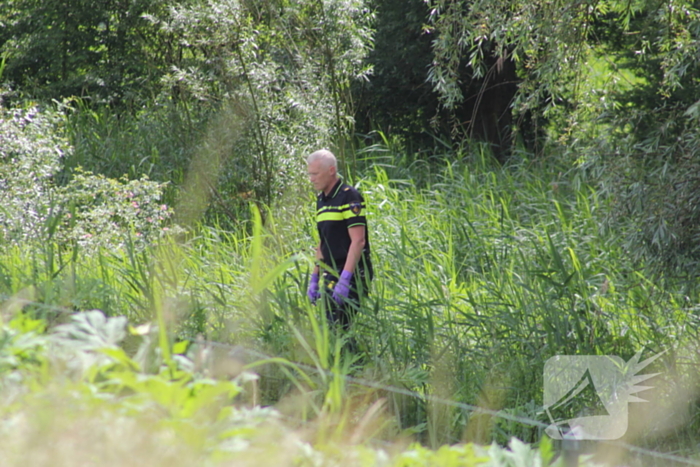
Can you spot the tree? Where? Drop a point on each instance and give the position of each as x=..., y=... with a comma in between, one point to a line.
x=547, y=40
x=284, y=68
x=399, y=98
x=91, y=48
x=647, y=153
x=279, y=71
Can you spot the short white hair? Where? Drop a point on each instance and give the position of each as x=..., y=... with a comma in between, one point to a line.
x=326, y=157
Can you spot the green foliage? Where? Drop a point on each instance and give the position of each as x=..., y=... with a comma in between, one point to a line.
x=283, y=71
x=77, y=48
x=158, y=141
x=396, y=97
x=550, y=41
x=482, y=274
x=634, y=129
x=108, y=389
x=89, y=211
x=110, y=409
x=102, y=212
x=237, y=94
x=657, y=205
x=30, y=155
x=615, y=83
x=468, y=455
x=279, y=72
x=545, y=39
x=22, y=344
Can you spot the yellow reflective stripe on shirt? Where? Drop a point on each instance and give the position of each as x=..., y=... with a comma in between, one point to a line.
x=329, y=216
x=336, y=213
x=335, y=208
x=348, y=214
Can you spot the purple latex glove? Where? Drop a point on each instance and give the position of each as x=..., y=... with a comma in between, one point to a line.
x=312, y=292
x=342, y=288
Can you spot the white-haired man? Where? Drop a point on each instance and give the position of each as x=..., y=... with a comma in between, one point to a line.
x=344, y=242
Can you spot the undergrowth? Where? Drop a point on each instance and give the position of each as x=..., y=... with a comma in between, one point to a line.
x=483, y=274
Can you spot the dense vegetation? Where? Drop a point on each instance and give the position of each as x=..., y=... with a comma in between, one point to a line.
x=531, y=170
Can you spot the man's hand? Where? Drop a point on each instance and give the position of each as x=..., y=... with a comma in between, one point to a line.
x=342, y=288
x=312, y=292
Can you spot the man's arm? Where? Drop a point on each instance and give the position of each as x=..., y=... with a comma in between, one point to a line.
x=357, y=244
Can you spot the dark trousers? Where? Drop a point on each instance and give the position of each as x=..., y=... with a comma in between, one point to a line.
x=340, y=315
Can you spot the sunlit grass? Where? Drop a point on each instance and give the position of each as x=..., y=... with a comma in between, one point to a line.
x=481, y=276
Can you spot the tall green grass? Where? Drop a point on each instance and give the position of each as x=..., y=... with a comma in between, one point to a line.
x=158, y=142
x=483, y=273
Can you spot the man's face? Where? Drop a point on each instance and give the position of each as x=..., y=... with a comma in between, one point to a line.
x=321, y=176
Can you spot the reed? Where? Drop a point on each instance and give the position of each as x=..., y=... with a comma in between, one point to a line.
x=483, y=273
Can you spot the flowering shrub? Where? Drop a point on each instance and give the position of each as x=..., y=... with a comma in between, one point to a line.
x=30, y=155
x=102, y=211
x=89, y=210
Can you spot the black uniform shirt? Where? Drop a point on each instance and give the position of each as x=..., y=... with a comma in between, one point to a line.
x=335, y=214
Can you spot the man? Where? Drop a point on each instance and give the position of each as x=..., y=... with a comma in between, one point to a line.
x=344, y=244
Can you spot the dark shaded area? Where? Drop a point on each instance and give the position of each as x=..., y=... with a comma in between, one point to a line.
x=97, y=50
x=486, y=114
x=399, y=99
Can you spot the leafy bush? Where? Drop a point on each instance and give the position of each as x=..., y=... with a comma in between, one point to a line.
x=109, y=410
x=656, y=193
x=279, y=73
x=90, y=210
x=99, y=211
x=31, y=149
